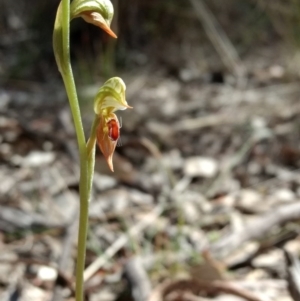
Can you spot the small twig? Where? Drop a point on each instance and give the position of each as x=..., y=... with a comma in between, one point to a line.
x=293, y=274
x=210, y=121
x=219, y=39
x=195, y=286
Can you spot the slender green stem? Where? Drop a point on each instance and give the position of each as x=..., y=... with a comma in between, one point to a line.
x=69, y=78
x=61, y=43
x=85, y=164
x=93, y=136
x=82, y=235
x=90, y=147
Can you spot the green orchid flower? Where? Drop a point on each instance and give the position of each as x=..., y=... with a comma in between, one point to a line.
x=97, y=12
x=110, y=98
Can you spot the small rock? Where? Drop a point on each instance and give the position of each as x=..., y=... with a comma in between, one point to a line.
x=273, y=260
x=276, y=71
x=227, y=200
x=190, y=212
x=140, y=198
x=293, y=246
x=249, y=199
x=46, y=273
x=201, y=167
x=33, y=293
x=284, y=195
x=258, y=122
x=103, y=294
x=257, y=274
x=104, y=182
x=37, y=158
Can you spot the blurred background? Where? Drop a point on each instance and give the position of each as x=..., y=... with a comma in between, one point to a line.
x=204, y=201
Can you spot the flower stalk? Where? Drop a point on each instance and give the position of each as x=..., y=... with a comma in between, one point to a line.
x=110, y=98
x=68, y=78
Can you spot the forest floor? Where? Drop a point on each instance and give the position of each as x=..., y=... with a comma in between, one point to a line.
x=203, y=205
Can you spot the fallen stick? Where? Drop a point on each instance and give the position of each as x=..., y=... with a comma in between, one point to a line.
x=194, y=285
x=256, y=229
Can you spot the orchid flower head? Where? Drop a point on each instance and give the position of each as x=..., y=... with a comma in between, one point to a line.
x=110, y=98
x=96, y=12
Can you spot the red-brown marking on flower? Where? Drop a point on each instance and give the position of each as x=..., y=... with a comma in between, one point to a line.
x=108, y=133
x=113, y=129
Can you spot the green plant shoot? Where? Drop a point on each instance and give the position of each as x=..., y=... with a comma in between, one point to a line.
x=110, y=98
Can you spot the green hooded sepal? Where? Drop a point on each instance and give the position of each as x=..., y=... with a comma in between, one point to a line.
x=96, y=12
x=111, y=96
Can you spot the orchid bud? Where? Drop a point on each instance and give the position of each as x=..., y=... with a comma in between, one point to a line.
x=97, y=12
